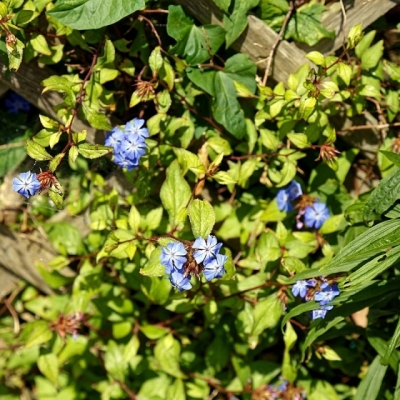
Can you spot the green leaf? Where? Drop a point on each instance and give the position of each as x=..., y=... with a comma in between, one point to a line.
x=267, y=313
x=134, y=219
x=370, y=386
x=156, y=60
x=196, y=44
x=63, y=85
x=367, y=244
x=88, y=150
x=236, y=23
x=223, y=4
x=300, y=140
x=114, y=361
x=15, y=51
x=393, y=343
x=317, y=58
x=90, y=14
x=175, y=194
x=154, y=267
x=36, y=151
x=354, y=36
x=202, y=218
x=242, y=70
x=345, y=72
x=307, y=107
x=226, y=109
x=372, y=55
x=48, y=366
x=305, y=25
x=167, y=353
x=384, y=195
x=39, y=43
x=393, y=157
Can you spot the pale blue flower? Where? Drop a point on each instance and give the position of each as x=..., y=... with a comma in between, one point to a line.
x=179, y=281
x=206, y=250
x=26, y=184
x=173, y=256
x=282, y=198
x=294, y=190
x=136, y=127
x=300, y=288
x=215, y=268
x=316, y=215
x=327, y=294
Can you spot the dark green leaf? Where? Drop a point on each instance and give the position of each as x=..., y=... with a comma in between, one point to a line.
x=305, y=26
x=393, y=343
x=92, y=14
x=236, y=23
x=226, y=108
x=384, y=195
x=194, y=43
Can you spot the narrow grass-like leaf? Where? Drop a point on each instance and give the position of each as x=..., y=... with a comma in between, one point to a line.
x=371, y=384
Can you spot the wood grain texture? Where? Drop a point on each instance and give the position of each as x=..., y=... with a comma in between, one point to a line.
x=357, y=11
x=27, y=82
x=256, y=41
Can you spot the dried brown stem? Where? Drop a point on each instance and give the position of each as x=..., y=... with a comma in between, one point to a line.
x=362, y=127
x=276, y=43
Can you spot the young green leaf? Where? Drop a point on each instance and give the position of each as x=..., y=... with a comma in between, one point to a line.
x=202, y=218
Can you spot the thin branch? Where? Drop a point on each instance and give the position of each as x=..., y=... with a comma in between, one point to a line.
x=362, y=127
x=153, y=29
x=277, y=40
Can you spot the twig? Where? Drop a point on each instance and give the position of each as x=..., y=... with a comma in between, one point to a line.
x=154, y=11
x=277, y=40
x=153, y=29
x=344, y=25
x=361, y=127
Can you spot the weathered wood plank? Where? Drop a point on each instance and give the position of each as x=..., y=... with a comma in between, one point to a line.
x=357, y=11
x=27, y=83
x=256, y=41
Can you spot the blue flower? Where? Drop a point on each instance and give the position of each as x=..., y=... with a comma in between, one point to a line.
x=26, y=184
x=135, y=126
x=316, y=215
x=294, y=190
x=128, y=143
x=133, y=147
x=114, y=139
x=125, y=162
x=180, y=281
x=300, y=288
x=327, y=294
x=320, y=312
x=15, y=103
x=215, y=268
x=206, y=250
x=282, y=198
x=173, y=256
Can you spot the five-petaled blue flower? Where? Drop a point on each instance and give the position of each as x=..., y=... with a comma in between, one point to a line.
x=26, y=184
x=316, y=215
x=215, y=268
x=327, y=293
x=15, y=103
x=179, y=281
x=136, y=127
x=206, y=251
x=300, y=288
x=173, y=256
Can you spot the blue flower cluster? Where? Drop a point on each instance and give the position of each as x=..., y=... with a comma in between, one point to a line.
x=314, y=215
x=202, y=256
x=318, y=290
x=129, y=143
x=26, y=184
x=15, y=104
